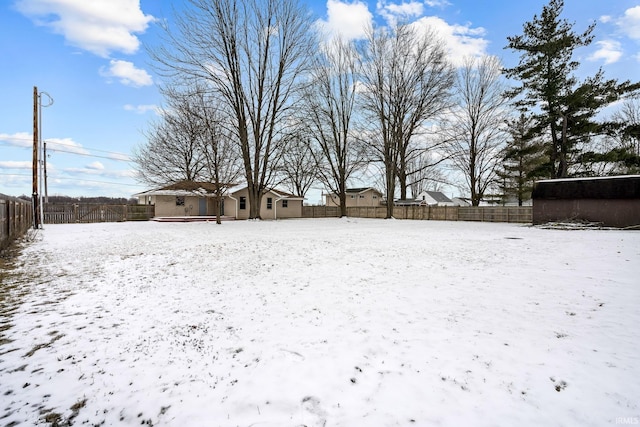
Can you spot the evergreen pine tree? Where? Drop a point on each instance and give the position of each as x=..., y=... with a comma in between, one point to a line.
x=563, y=108
x=523, y=161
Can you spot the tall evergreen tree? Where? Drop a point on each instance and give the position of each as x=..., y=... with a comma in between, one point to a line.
x=523, y=161
x=564, y=109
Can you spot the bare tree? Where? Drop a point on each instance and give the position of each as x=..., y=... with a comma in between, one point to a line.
x=407, y=81
x=425, y=174
x=297, y=166
x=252, y=54
x=476, y=124
x=191, y=144
x=329, y=112
x=220, y=151
x=172, y=152
x=629, y=117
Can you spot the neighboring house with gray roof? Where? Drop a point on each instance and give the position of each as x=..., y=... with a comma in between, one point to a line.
x=434, y=198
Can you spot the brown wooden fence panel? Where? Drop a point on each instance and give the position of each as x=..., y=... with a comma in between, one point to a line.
x=320, y=212
x=16, y=217
x=89, y=213
x=519, y=214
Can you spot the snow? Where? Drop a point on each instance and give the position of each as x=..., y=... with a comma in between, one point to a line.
x=323, y=322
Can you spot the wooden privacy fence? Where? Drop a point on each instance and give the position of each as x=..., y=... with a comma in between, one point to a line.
x=320, y=212
x=72, y=213
x=519, y=214
x=16, y=217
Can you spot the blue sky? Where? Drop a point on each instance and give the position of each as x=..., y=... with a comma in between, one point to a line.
x=90, y=57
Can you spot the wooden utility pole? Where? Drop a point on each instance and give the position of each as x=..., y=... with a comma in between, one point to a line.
x=36, y=210
x=44, y=159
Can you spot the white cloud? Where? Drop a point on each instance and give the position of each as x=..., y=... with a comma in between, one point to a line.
x=119, y=156
x=349, y=20
x=127, y=73
x=101, y=171
x=609, y=50
x=460, y=40
x=605, y=19
x=142, y=109
x=437, y=3
x=98, y=26
x=405, y=11
x=629, y=24
x=95, y=166
x=18, y=139
x=11, y=164
x=65, y=145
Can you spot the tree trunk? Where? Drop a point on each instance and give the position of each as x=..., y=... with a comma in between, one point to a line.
x=255, y=200
x=217, y=206
x=343, y=203
x=563, y=165
x=391, y=186
x=402, y=178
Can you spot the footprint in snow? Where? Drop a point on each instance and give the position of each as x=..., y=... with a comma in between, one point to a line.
x=312, y=405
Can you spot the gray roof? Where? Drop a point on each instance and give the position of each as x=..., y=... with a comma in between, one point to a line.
x=439, y=197
x=361, y=190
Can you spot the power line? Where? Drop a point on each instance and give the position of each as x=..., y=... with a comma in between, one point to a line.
x=88, y=148
x=93, y=180
x=128, y=160
x=75, y=179
x=116, y=153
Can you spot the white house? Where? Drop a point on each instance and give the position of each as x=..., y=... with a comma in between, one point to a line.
x=434, y=198
x=190, y=199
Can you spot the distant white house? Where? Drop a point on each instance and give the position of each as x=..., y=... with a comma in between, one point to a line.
x=434, y=198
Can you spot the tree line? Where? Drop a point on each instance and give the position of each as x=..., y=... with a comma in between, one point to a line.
x=255, y=92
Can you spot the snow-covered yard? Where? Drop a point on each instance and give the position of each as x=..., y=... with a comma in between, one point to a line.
x=335, y=322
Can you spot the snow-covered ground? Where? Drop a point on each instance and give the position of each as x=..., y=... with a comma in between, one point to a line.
x=334, y=322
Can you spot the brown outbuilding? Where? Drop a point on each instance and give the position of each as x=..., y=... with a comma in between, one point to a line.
x=610, y=201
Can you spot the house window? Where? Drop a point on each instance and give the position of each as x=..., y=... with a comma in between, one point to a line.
x=285, y=203
x=243, y=202
x=269, y=203
x=361, y=196
x=375, y=197
x=179, y=200
x=353, y=197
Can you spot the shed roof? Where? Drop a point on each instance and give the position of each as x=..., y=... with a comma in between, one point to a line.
x=612, y=187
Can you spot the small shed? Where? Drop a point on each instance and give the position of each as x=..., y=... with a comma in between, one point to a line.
x=612, y=201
